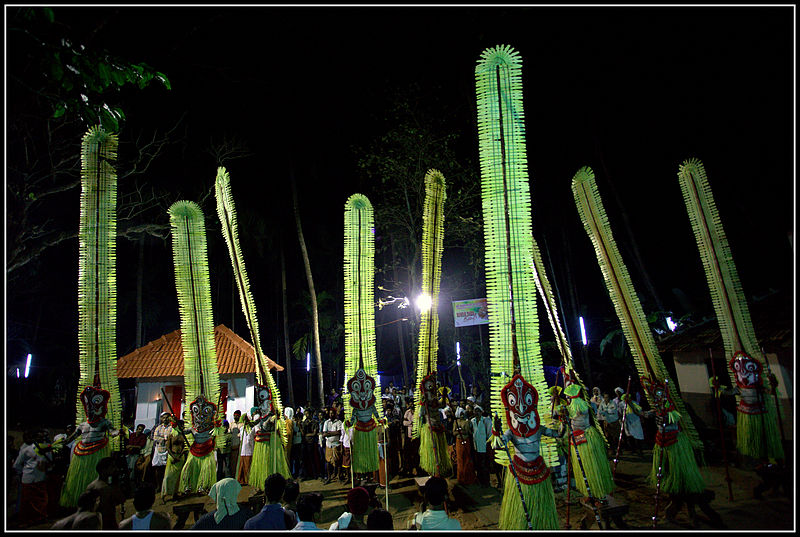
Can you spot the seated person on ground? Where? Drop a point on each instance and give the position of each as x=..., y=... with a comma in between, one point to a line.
x=145, y=518
x=435, y=517
x=271, y=516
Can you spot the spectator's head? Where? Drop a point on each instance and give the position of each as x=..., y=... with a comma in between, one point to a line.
x=236, y=415
x=105, y=468
x=606, y=397
x=291, y=492
x=70, y=429
x=596, y=391
x=308, y=506
x=144, y=497
x=619, y=391
x=332, y=412
x=474, y=390
x=358, y=500
x=88, y=500
x=436, y=490
x=140, y=428
x=274, y=487
x=380, y=519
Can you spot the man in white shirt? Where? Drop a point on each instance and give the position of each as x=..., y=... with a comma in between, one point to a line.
x=246, y=450
x=346, y=438
x=32, y=463
x=435, y=517
x=332, y=432
x=481, y=431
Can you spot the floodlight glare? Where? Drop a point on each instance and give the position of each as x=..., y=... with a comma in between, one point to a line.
x=583, y=331
x=28, y=366
x=308, y=361
x=424, y=303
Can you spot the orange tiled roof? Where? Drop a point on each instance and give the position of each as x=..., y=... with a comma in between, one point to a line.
x=163, y=357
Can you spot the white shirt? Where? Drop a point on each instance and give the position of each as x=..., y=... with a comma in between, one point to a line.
x=347, y=436
x=331, y=426
x=481, y=430
x=27, y=464
x=306, y=526
x=247, y=443
x=435, y=520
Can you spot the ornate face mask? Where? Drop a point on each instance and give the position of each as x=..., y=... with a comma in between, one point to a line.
x=746, y=370
x=658, y=391
x=428, y=387
x=263, y=399
x=95, y=403
x=362, y=390
x=203, y=413
x=520, y=399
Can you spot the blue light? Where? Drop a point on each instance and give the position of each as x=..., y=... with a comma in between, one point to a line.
x=17, y=372
x=28, y=366
x=308, y=361
x=583, y=331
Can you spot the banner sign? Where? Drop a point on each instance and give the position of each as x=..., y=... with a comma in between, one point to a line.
x=470, y=312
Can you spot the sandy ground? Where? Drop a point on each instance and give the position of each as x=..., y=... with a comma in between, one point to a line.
x=477, y=508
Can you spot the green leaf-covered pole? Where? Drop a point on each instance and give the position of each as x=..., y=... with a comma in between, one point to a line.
x=623, y=294
x=190, y=257
x=518, y=385
x=97, y=275
x=226, y=210
x=757, y=430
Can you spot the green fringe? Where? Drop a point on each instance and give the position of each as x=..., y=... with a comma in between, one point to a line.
x=539, y=500
x=595, y=464
x=82, y=471
x=427, y=457
x=364, y=451
x=680, y=473
x=268, y=458
x=172, y=476
x=751, y=435
x=198, y=473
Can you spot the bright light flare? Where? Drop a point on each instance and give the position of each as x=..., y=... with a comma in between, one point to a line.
x=308, y=362
x=583, y=331
x=671, y=324
x=28, y=366
x=424, y=303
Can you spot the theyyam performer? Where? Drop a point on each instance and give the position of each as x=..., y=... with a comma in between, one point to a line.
x=200, y=374
x=428, y=425
x=99, y=408
x=519, y=395
x=269, y=424
x=361, y=366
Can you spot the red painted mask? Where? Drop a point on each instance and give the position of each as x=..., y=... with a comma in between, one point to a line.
x=95, y=403
x=746, y=370
x=520, y=399
x=203, y=414
x=429, y=390
x=658, y=391
x=362, y=390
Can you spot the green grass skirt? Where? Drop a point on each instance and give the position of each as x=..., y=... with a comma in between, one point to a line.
x=595, y=464
x=82, y=471
x=268, y=458
x=427, y=457
x=539, y=500
x=364, y=451
x=198, y=473
x=680, y=473
x=753, y=440
x=172, y=476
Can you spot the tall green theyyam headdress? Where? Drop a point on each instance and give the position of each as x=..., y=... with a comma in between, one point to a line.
x=727, y=295
x=97, y=272
x=200, y=374
x=511, y=290
x=432, y=247
x=623, y=295
x=359, y=293
x=226, y=210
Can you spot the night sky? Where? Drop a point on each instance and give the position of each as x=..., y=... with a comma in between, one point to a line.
x=630, y=92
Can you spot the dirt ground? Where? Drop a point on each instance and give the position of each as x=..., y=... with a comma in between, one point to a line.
x=477, y=508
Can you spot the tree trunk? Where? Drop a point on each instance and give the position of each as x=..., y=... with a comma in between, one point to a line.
x=400, y=336
x=289, y=381
x=139, y=287
x=312, y=292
